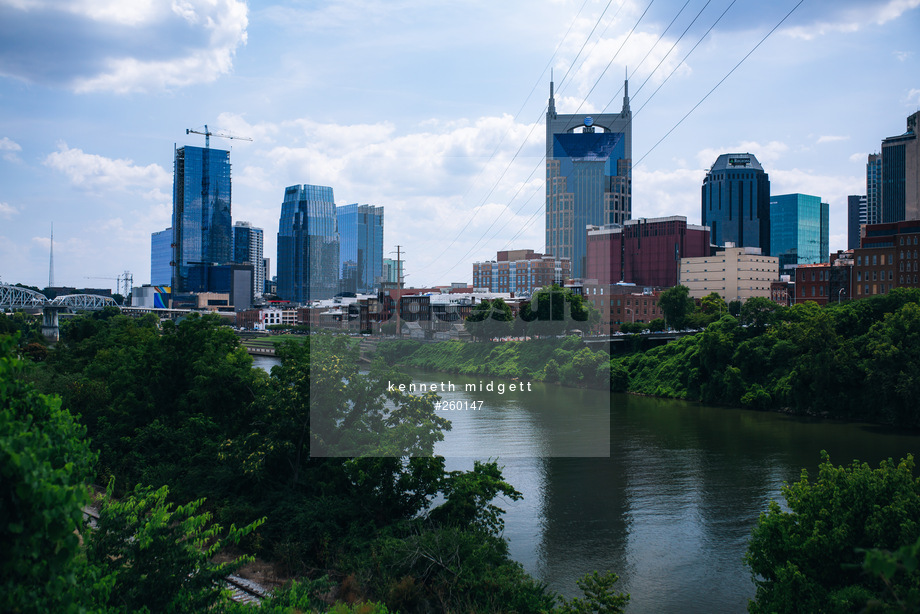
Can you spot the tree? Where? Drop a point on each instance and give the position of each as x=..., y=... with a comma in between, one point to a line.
x=599, y=596
x=713, y=304
x=676, y=305
x=157, y=558
x=758, y=312
x=45, y=463
x=806, y=559
x=489, y=319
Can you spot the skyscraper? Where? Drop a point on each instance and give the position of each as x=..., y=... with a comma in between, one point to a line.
x=901, y=174
x=736, y=202
x=360, y=247
x=161, y=252
x=247, y=249
x=308, y=244
x=857, y=216
x=874, y=189
x=201, y=211
x=799, y=229
x=588, y=177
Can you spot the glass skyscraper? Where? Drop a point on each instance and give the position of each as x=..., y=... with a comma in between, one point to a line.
x=247, y=249
x=160, y=257
x=201, y=211
x=308, y=244
x=360, y=247
x=588, y=177
x=799, y=232
x=874, y=189
x=736, y=202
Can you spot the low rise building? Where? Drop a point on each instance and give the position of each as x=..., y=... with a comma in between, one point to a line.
x=737, y=273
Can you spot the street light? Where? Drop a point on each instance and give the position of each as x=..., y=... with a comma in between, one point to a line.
x=839, y=292
x=633, y=314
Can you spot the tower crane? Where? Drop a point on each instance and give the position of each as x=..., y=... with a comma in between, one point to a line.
x=208, y=134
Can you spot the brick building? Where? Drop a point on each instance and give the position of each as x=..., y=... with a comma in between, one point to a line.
x=520, y=271
x=644, y=251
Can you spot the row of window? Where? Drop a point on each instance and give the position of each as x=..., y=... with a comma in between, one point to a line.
x=876, y=276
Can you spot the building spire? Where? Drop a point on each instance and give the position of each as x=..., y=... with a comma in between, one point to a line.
x=551, y=108
x=626, y=93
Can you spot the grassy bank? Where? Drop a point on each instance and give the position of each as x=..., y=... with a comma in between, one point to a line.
x=566, y=361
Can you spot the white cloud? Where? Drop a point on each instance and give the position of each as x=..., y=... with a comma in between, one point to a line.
x=832, y=139
x=114, y=46
x=913, y=96
x=859, y=156
x=7, y=211
x=903, y=56
x=93, y=172
x=6, y=144
x=854, y=18
x=9, y=149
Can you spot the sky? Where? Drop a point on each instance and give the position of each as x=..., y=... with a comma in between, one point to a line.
x=432, y=109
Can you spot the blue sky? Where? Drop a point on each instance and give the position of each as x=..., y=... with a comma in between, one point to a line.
x=432, y=109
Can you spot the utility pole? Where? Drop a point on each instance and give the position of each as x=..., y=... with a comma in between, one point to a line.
x=399, y=285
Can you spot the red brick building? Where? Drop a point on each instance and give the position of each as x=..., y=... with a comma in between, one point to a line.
x=520, y=271
x=644, y=251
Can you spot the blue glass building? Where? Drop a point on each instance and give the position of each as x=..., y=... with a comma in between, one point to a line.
x=799, y=232
x=201, y=211
x=160, y=257
x=308, y=244
x=874, y=189
x=360, y=247
x=588, y=177
x=736, y=202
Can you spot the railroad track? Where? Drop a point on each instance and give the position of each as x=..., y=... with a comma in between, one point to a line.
x=241, y=589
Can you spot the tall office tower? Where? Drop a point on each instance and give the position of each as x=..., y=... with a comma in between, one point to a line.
x=799, y=229
x=308, y=245
x=247, y=249
x=266, y=275
x=160, y=257
x=901, y=174
x=360, y=247
x=857, y=215
x=736, y=202
x=201, y=211
x=874, y=189
x=588, y=177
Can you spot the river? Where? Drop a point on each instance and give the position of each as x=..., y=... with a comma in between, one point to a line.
x=670, y=509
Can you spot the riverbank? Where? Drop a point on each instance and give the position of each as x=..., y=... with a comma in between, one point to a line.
x=565, y=361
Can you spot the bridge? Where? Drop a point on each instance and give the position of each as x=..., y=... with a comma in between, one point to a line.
x=15, y=297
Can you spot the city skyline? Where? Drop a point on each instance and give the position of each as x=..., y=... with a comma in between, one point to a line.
x=421, y=109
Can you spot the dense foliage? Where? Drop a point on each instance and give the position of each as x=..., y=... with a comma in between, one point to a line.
x=857, y=360
x=567, y=361
x=179, y=414
x=808, y=557
x=44, y=464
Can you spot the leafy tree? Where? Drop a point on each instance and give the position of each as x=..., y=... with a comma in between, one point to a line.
x=713, y=304
x=676, y=305
x=553, y=310
x=900, y=571
x=806, y=559
x=489, y=319
x=758, y=312
x=599, y=596
x=45, y=462
x=158, y=559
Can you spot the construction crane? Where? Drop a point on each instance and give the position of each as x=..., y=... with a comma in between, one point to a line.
x=208, y=134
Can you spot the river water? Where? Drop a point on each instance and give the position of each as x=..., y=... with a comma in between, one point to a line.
x=670, y=509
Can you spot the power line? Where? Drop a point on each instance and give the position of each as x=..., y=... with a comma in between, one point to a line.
x=740, y=62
